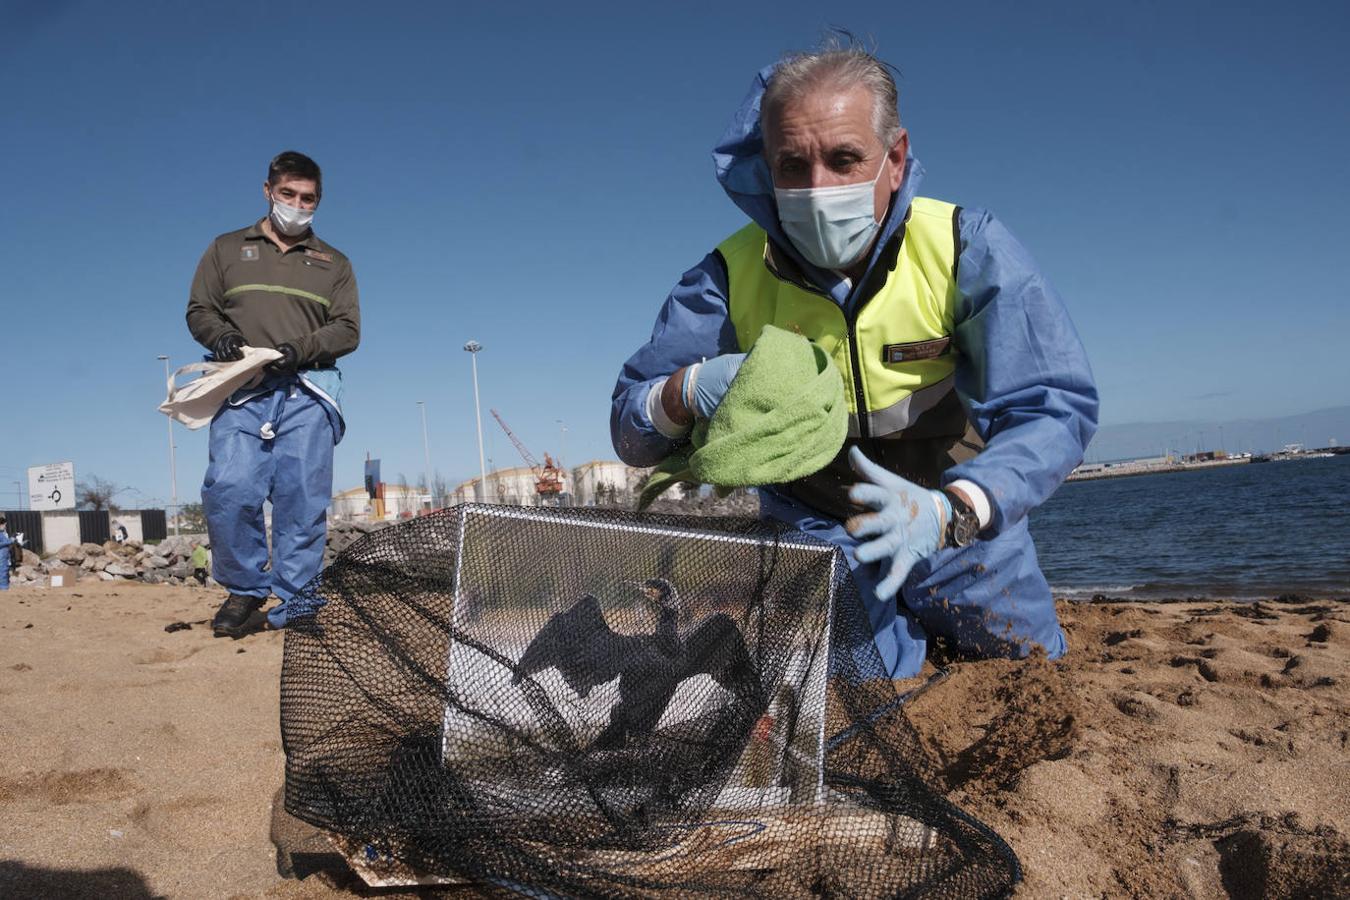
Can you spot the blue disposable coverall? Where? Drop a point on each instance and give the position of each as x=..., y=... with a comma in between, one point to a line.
x=1022, y=377
x=7, y=546
x=293, y=468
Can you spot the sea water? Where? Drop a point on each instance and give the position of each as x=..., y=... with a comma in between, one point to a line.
x=1244, y=531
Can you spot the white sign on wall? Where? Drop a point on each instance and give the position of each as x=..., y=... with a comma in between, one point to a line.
x=52, y=486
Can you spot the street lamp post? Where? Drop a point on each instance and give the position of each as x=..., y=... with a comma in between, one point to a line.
x=426, y=449
x=472, y=348
x=173, y=464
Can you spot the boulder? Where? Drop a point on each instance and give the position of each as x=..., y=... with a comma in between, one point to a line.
x=154, y=576
x=180, y=570
x=121, y=569
x=156, y=562
x=133, y=543
x=106, y=577
x=112, y=547
x=92, y=549
x=30, y=559
x=70, y=554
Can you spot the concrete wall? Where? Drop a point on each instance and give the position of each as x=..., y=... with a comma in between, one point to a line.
x=60, y=528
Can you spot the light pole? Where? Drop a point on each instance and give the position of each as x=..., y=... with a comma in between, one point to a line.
x=426, y=449
x=472, y=348
x=173, y=464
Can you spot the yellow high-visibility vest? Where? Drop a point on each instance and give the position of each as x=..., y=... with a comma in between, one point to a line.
x=896, y=352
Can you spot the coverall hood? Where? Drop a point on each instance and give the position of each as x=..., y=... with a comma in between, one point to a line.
x=744, y=175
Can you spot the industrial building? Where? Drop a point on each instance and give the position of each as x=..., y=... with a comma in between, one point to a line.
x=511, y=487
x=400, y=502
x=602, y=482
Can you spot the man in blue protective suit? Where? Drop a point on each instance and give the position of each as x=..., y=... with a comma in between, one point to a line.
x=9, y=552
x=970, y=396
x=274, y=284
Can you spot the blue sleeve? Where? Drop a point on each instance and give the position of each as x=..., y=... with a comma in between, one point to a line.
x=1023, y=374
x=693, y=325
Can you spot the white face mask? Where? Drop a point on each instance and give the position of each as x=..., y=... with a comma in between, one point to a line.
x=830, y=226
x=291, y=221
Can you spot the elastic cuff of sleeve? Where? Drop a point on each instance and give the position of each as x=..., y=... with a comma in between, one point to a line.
x=979, y=500
x=944, y=514
x=688, y=390
x=656, y=412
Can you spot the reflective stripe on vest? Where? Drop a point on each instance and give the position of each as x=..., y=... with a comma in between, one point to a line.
x=891, y=353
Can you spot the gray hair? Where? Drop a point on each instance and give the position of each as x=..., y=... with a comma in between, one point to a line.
x=837, y=65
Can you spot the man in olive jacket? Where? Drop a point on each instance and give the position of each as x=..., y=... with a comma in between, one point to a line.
x=274, y=284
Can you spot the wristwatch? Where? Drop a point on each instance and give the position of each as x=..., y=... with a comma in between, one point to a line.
x=963, y=527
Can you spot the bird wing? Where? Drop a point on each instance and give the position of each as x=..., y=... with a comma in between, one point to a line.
x=717, y=648
x=580, y=644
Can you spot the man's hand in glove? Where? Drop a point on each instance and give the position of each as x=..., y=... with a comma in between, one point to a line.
x=289, y=362
x=707, y=383
x=229, y=347
x=906, y=525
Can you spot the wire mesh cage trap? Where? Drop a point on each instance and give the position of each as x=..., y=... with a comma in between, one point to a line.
x=582, y=702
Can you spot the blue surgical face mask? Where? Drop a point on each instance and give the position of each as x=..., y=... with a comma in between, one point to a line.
x=830, y=226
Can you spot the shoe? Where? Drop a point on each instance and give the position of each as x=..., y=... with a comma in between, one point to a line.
x=232, y=618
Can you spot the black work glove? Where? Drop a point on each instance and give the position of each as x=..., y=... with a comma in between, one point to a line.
x=289, y=362
x=229, y=347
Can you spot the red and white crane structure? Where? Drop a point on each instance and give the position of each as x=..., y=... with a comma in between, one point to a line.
x=548, y=478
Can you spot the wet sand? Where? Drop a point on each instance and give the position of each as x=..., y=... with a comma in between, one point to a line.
x=1191, y=749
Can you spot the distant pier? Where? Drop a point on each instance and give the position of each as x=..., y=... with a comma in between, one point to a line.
x=1125, y=468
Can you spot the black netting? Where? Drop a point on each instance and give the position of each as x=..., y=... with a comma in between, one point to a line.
x=593, y=703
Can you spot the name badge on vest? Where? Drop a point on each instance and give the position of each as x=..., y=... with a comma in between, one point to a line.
x=917, y=350
x=248, y=253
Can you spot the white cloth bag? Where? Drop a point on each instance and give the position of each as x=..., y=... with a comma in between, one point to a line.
x=195, y=403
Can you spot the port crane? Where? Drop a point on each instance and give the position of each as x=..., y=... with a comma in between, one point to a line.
x=548, y=478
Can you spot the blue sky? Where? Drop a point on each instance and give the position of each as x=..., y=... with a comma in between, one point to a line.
x=537, y=176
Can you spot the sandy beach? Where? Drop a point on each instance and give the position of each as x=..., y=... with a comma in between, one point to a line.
x=1181, y=749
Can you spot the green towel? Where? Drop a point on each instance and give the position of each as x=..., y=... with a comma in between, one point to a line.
x=784, y=417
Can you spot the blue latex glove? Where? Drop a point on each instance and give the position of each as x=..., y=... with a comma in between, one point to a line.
x=905, y=527
x=711, y=380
